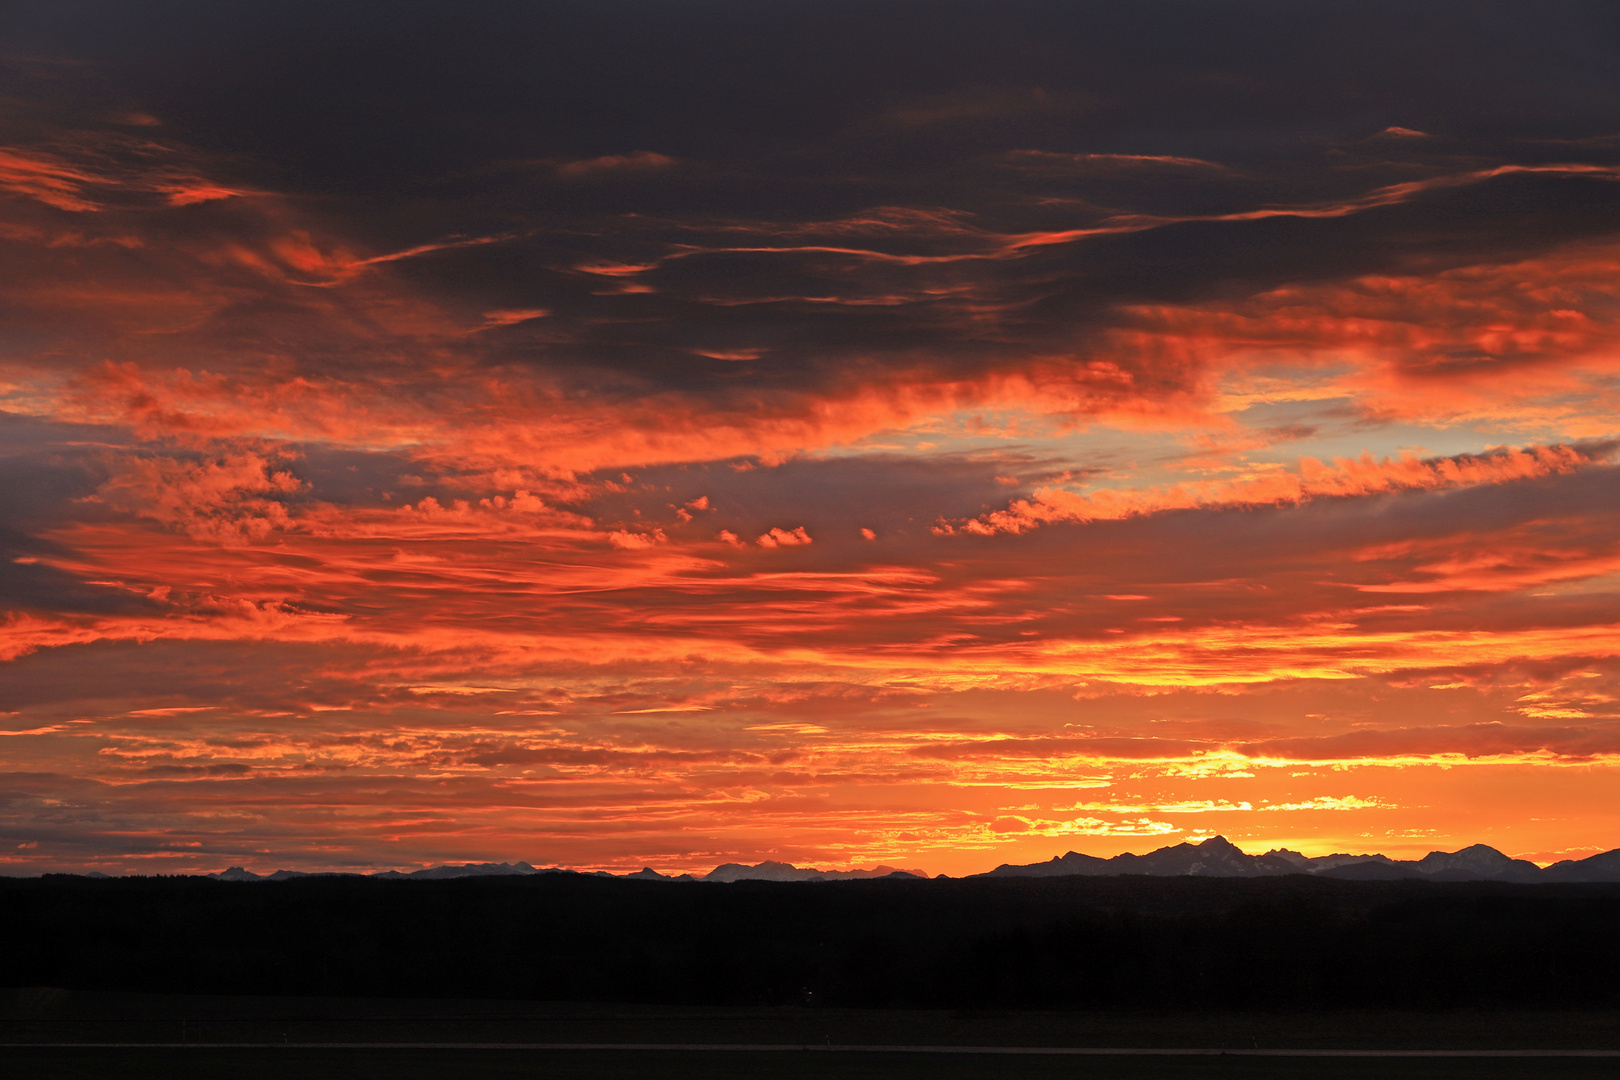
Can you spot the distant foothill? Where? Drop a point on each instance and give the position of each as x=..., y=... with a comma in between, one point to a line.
x=1215, y=857
x=765, y=871
x=1219, y=857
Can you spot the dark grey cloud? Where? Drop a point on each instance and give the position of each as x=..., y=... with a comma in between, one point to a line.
x=777, y=125
x=380, y=96
x=45, y=469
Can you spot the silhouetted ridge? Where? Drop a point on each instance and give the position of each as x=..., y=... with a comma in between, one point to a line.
x=1219, y=857
x=430, y=873
x=780, y=871
x=1196, y=941
x=765, y=871
x=1215, y=857
x=1604, y=867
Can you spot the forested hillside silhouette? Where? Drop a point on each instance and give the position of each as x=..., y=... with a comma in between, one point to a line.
x=1075, y=942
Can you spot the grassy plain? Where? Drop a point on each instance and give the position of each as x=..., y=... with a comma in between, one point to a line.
x=394, y=1064
x=84, y=1019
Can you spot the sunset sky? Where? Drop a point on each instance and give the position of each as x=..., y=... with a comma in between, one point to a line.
x=621, y=433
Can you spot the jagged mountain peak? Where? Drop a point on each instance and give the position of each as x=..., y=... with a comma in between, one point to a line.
x=1219, y=844
x=1219, y=857
x=771, y=870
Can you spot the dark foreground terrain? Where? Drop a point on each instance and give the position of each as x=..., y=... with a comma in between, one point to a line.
x=1290, y=943
x=483, y=977
x=57, y=1033
x=638, y=1065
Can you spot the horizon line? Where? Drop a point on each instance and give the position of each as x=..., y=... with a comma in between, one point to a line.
x=697, y=875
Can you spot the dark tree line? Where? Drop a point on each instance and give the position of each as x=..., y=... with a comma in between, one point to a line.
x=1023, y=943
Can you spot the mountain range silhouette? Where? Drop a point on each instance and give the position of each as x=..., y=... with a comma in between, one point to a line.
x=1215, y=857
x=766, y=871
x=1219, y=857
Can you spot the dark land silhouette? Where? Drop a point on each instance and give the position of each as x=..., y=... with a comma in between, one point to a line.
x=1218, y=857
x=1294, y=942
x=769, y=870
x=1215, y=857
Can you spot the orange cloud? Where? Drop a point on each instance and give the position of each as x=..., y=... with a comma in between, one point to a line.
x=230, y=499
x=45, y=178
x=784, y=538
x=1313, y=480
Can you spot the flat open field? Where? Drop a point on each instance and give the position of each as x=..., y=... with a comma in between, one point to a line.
x=40, y=1015
x=510, y=977
x=77, y=1021
x=441, y=1064
x=396, y=1064
x=1188, y=945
